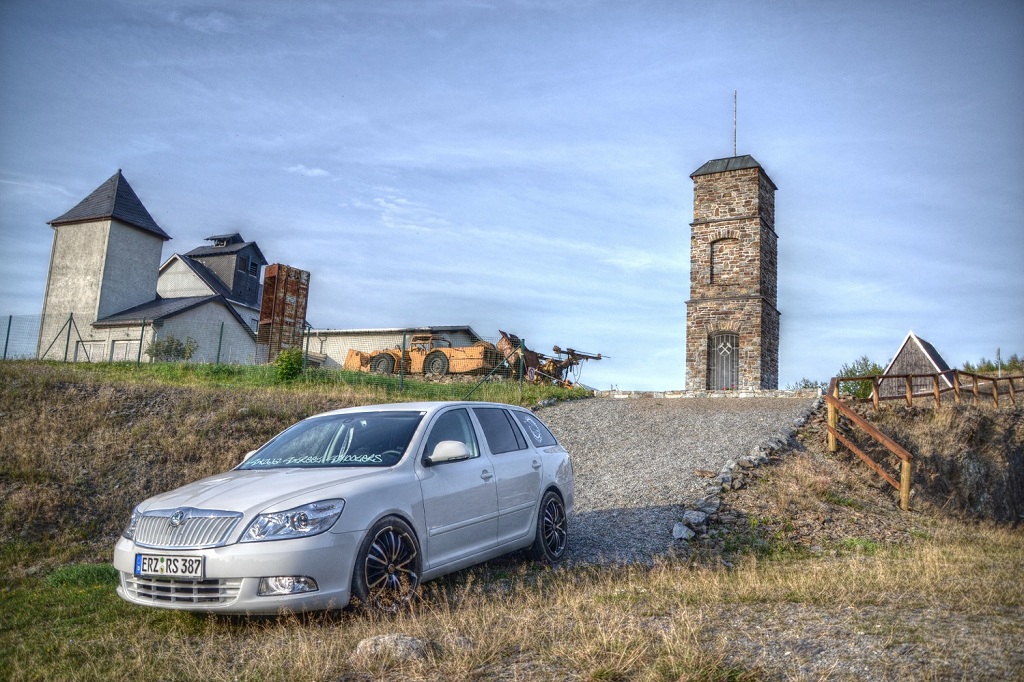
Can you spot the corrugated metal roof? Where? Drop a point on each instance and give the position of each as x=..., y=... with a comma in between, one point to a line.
x=115, y=198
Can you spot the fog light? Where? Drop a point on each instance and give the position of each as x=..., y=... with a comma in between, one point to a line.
x=286, y=584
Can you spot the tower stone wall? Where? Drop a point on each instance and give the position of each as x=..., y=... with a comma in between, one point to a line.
x=732, y=323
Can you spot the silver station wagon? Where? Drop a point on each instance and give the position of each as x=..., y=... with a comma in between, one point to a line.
x=357, y=504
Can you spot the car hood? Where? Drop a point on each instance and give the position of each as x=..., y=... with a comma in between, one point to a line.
x=252, y=492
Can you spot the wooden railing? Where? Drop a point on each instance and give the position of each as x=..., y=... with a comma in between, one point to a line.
x=956, y=382
x=975, y=385
x=837, y=407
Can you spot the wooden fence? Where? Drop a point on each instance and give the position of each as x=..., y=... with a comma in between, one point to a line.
x=976, y=386
x=837, y=407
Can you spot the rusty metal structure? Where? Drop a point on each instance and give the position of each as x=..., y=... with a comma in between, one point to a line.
x=540, y=368
x=282, y=311
x=430, y=354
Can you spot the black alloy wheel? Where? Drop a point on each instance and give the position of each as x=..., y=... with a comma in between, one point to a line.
x=388, y=568
x=552, y=529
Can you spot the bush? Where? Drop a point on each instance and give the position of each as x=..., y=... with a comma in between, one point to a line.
x=806, y=384
x=170, y=349
x=289, y=364
x=859, y=368
x=1012, y=365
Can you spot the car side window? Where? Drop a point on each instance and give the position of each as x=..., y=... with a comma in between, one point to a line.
x=538, y=433
x=453, y=425
x=499, y=431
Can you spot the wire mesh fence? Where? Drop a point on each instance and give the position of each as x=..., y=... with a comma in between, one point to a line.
x=427, y=362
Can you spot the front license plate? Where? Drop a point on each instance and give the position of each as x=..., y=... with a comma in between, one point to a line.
x=171, y=566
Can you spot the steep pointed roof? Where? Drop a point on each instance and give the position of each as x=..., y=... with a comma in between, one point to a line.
x=115, y=198
x=912, y=340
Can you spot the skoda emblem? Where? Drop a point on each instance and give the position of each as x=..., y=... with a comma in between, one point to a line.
x=177, y=518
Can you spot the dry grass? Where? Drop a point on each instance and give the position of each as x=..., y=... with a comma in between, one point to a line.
x=924, y=597
x=509, y=620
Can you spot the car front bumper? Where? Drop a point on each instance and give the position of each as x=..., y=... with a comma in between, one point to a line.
x=232, y=575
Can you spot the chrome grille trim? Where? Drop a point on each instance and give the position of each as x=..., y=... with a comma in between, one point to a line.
x=199, y=529
x=174, y=591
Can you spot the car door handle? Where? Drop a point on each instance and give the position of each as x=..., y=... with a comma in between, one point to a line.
x=536, y=464
x=486, y=475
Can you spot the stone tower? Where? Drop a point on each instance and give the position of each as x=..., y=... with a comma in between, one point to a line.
x=732, y=324
x=105, y=259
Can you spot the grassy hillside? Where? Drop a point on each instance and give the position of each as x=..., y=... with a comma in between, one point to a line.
x=817, y=576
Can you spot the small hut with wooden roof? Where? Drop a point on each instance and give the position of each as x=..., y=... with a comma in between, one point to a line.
x=915, y=356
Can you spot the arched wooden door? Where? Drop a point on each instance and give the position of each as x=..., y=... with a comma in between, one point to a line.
x=723, y=361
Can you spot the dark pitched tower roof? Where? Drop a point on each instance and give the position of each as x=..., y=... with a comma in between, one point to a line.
x=733, y=163
x=115, y=198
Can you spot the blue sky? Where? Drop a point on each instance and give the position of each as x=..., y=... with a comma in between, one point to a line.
x=525, y=165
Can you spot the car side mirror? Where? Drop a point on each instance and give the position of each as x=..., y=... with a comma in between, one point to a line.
x=448, y=451
x=247, y=456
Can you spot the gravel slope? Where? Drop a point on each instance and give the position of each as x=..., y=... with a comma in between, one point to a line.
x=636, y=461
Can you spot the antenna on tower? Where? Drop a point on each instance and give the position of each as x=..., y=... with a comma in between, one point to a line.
x=734, y=123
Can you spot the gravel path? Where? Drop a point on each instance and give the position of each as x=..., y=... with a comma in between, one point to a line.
x=636, y=462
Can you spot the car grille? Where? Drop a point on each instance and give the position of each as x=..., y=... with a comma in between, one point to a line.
x=172, y=591
x=198, y=528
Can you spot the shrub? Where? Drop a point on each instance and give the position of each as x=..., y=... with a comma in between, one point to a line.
x=289, y=364
x=807, y=384
x=1012, y=365
x=859, y=368
x=170, y=349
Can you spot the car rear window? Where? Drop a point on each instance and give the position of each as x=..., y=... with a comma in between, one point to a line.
x=371, y=439
x=500, y=433
x=538, y=433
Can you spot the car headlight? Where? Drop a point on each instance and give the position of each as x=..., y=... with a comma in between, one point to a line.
x=301, y=522
x=129, y=531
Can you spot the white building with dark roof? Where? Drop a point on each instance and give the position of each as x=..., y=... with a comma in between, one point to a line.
x=108, y=296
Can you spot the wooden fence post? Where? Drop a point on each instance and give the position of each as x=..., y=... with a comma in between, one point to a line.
x=910, y=390
x=833, y=416
x=935, y=388
x=956, y=386
x=995, y=392
x=875, y=382
x=905, y=485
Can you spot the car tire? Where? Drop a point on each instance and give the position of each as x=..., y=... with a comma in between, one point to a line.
x=436, y=363
x=382, y=364
x=552, y=529
x=388, y=566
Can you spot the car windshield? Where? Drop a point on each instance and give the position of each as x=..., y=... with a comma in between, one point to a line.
x=369, y=439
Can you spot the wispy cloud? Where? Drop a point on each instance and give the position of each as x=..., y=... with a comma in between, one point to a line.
x=300, y=169
x=210, y=23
